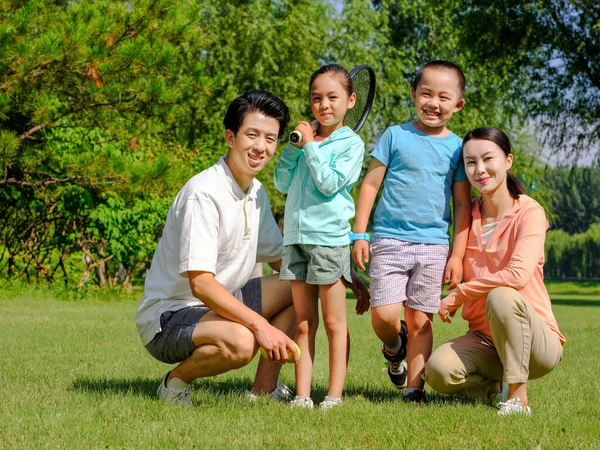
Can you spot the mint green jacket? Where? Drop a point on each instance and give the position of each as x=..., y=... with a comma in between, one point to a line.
x=317, y=180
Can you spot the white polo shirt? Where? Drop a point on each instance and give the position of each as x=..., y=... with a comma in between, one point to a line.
x=212, y=226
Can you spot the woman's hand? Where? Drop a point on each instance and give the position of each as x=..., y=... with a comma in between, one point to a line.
x=446, y=308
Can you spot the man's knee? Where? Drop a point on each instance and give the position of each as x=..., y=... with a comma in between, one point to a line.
x=502, y=303
x=239, y=348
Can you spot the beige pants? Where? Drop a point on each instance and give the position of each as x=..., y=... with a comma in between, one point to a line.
x=522, y=347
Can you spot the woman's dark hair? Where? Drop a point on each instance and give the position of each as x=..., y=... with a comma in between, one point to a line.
x=337, y=69
x=256, y=100
x=498, y=137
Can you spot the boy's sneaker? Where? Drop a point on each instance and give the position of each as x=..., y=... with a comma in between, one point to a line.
x=513, y=406
x=302, y=402
x=416, y=396
x=397, y=362
x=178, y=392
x=282, y=393
x=330, y=402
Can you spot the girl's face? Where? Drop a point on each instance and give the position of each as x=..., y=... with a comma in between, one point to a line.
x=486, y=165
x=329, y=100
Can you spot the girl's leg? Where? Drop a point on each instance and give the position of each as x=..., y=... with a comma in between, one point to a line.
x=420, y=343
x=467, y=365
x=333, y=305
x=307, y=321
x=525, y=344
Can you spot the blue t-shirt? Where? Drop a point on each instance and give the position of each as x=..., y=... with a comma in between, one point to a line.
x=415, y=202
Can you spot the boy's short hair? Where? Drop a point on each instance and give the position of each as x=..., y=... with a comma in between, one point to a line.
x=440, y=64
x=256, y=100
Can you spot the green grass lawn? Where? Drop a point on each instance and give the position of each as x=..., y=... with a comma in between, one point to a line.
x=75, y=375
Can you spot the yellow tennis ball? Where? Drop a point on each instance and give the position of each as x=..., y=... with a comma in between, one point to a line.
x=264, y=354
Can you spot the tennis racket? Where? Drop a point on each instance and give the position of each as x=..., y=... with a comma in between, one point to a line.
x=363, y=82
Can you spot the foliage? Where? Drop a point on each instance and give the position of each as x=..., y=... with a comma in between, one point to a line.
x=573, y=256
x=551, y=51
x=575, y=193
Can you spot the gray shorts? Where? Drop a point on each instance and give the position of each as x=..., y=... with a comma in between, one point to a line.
x=174, y=342
x=407, y=272
x=315, y=264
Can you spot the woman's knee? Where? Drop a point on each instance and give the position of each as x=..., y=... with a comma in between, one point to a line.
x=502, y=302
x=438, y=373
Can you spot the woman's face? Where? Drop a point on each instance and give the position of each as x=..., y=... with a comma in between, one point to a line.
x=486, y=165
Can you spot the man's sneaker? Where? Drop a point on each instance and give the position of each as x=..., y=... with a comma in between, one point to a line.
x=282, y=392
x=513, y=406
x=178, y=392
x=397, y=362
x=417, y=396
x=330, y=402
x=302, y=402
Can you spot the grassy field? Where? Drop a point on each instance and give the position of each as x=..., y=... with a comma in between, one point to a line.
x=74, y=375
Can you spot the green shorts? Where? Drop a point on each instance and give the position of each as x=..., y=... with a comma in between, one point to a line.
x=315, y=264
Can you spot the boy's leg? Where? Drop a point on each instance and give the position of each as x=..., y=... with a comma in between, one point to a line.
x=391, y=263
x=307, y=321
x=420, y=343
x=467, y=365
x=333, y=305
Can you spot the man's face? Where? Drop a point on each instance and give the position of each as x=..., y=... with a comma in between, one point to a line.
x=437, y=97
x=252, y=147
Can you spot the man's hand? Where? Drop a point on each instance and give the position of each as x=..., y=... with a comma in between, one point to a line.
x=276, y=344
x=307, y=132
x=454, y=271
x=359, y=288
x=360, y=253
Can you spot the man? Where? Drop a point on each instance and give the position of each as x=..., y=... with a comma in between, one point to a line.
x=200, y=308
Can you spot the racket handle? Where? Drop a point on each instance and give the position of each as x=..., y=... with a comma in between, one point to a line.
x=295, y=137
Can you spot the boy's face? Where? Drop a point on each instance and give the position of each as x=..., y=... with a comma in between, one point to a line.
x=437, y=97
x=252, y=147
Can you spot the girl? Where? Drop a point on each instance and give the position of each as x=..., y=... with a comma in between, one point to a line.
x=513, y=336
x=317, y=174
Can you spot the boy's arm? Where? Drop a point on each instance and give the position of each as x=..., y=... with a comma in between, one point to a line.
x=366, y=198
x=461, y=200
x=343, y=171
x=286, y=168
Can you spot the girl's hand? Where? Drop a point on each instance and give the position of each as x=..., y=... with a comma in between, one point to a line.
x=307, y=132
x=360, y=253
x=454, y=271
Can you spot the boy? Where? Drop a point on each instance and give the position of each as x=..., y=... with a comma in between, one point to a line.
x=422, y=166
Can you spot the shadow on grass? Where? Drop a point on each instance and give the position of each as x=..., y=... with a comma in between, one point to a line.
x=575, y=302
x=146, y=387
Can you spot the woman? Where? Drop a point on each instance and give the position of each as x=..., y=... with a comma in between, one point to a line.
x=513, y=336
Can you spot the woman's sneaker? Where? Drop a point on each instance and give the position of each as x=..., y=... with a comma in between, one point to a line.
x=330, y=402
x=513, y=406
x=397, y=369
x=302, y=402
x=178, y=392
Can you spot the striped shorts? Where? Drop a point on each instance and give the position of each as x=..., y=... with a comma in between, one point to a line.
x=407, y=272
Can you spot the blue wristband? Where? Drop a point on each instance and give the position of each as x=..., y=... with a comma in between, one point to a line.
x=359, y=236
